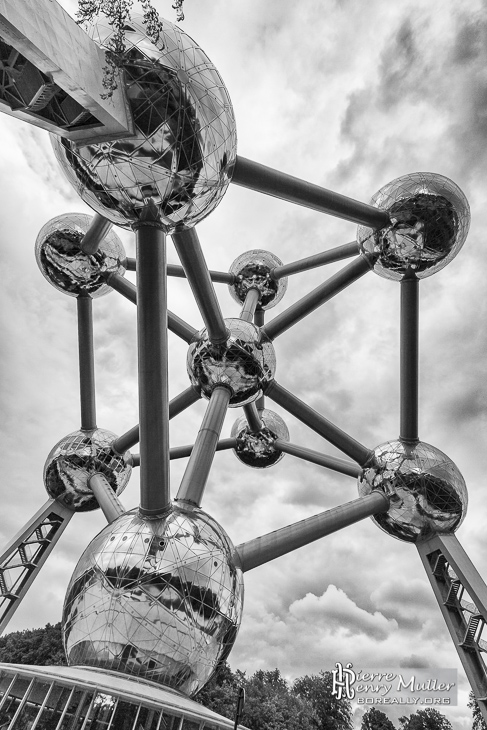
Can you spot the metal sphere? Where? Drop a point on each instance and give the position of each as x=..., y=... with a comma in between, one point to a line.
x=427, y=493
x=252, y=270
x=66, y=266
x=246, y=362
x=156, y=598
x=430, y=218
x=75, y=459
x=257, y=449
x=184, y=147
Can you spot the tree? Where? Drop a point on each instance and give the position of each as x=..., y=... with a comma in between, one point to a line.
x=428, y=719
x=376, y=720
x=478, y=719
x=221, y=692
x=36, y=646
x=332, y=714
x=270, y=705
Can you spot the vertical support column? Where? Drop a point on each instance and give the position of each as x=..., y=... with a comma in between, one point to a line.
x=409, y=360
x=259, y=321
x=86, y=363
x=152, y=359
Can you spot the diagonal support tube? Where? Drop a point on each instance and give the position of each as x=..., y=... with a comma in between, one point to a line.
x=191, y=256
x=409, y=360
x=95, y=234
x=181, y=452
x=129, y=291
x=253, y=418
x=196, y=475
x=222, y=277
x=315, y=457
x=109, y=503
x=317, y=297
x=318, y=423
x=264, y=179
x=152, y=361
x=259, y=318
x=250, y=305
x=311, y=262
x=280, y=542
x=178, y=404
x=86, y=362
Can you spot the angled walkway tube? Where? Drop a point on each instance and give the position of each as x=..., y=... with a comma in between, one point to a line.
x=23, y=557
x=318, y=423
x=264, y=179
x=253, y=417
x=462, y=598
x=280, y=542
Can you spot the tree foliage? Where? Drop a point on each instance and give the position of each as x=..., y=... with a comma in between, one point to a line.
x=374, y=719
x=478, y=719
x=117, y=12
x=428, y=719
x=36, y=646
x=332, y=714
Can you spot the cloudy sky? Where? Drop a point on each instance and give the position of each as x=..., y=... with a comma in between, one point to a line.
x=348, y=95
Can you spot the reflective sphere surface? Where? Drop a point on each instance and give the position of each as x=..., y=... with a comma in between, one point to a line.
x=430, y=218
x=66, y=267
x=74, y=460
x=252, y=271
x=245, y=362
x=156, y=598
x=185, y=139
x=257, y=449
x=428, y=494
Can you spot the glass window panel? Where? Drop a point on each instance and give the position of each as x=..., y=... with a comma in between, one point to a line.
x=13, y=700
x=37, y=695
x=124, y=716
x=147, y=720
x=190, y=724
x=79, y=705
x=5, y=680
x=101, y=711
x=53, y=708
x=170, y=722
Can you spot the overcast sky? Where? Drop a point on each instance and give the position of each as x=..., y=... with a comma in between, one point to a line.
x=348, y=95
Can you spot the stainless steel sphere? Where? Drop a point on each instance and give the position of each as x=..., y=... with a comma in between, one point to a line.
x=430, y=218
x=156, y=598
x=257, y=449
x=185, y=139
x=246, y=362
x=75, y=459
x=252, y=270
x=66, y=267
x=427, y=492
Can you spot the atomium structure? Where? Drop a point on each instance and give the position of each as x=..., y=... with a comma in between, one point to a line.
x=158, y=594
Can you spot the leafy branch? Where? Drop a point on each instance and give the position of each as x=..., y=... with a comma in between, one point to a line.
x=118, y=15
